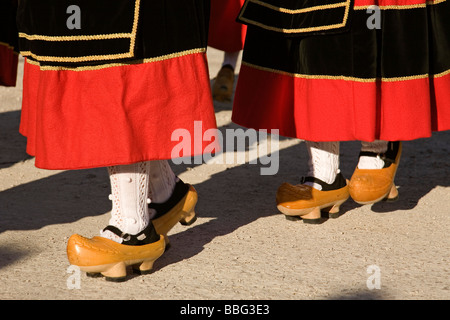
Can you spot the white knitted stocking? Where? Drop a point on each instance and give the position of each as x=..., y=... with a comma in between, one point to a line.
x=323, y=161
x=162, y=181
x=378, y=146
x=231, y=58
x=129, y=195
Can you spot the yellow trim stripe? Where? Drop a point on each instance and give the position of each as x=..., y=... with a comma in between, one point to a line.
x=346, y=78
x=76, y=38
x=129, y=54
x=345, y=4
x=109, y=65
x=402, y=7
x=297, y=11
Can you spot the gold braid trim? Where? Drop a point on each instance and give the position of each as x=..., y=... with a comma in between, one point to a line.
x=76, y=38
x=345, y=4
x=109, y=65
x=297, y=11
x=129, y=54
x=346, y=78
x=77, y=59
x=404, y=7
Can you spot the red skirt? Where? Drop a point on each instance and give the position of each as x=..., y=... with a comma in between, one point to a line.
x=8, y=43
x=8, y=66
x=115, y=115
x=225, y=33
x=118, y=90
x=391, y=83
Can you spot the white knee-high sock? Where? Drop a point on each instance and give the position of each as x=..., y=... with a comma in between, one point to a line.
x=162, y=181
x=129, y=195
x=323, y=161
x=231, y=58
x=377, y=146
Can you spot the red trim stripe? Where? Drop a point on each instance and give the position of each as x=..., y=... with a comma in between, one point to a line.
x=8, y=66
x=117, y=115
x=341, y=110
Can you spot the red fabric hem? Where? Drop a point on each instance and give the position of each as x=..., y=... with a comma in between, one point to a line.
x=225, y=33
x=341, y=110
x=8, y=66
x=117, y=115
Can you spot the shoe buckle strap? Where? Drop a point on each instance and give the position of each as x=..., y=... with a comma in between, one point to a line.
x=125, y=236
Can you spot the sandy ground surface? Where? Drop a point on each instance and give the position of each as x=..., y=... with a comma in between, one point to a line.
x=240, y=247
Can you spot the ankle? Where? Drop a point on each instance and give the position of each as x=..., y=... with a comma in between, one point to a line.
x=370, y=162
x=146, y=236
x=128, y=226
x=338, y=182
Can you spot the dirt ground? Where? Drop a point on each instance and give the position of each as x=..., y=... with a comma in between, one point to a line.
x=241, y=247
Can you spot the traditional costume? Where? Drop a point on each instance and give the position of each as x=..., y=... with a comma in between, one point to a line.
x=105, y=85
x=113, y=91
x=8, y=43
x=227, y=35
x=339, y=70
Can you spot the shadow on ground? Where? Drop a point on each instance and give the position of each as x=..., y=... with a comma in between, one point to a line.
x=232, y=198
